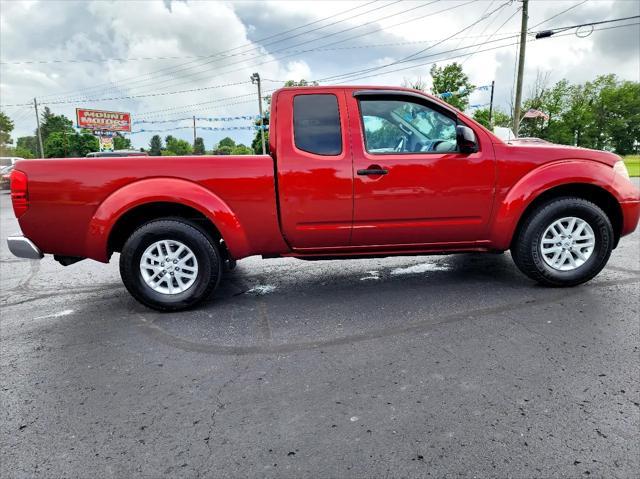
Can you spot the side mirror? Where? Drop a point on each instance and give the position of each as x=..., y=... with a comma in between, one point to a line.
x=466, y=139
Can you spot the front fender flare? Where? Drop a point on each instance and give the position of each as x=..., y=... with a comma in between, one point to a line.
x=166, y=190
x=536, y=182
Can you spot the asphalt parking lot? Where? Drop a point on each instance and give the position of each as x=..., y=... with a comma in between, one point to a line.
x=453, y=366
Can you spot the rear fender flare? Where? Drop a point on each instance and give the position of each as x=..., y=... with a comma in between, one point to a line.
x=166, y=190
x=536, y=182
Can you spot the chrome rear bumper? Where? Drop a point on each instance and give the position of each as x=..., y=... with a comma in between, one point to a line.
x=23, y=247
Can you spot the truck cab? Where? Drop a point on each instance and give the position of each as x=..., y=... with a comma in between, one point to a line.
x=370, y=168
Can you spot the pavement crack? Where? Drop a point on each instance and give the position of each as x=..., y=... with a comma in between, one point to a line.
x=220, y=406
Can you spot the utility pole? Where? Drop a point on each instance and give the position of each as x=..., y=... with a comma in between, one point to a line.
x=255, y=78
x=523, y=44
x=194, y=131
x=491, y=102
x=35, y=104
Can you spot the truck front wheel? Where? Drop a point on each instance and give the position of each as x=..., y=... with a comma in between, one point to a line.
x=564, y=242
x=170, y=265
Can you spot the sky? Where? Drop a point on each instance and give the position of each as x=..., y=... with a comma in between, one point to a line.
x=176, y=59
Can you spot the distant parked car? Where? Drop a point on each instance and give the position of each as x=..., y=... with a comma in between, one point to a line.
x=116, y=153
x=5, y=173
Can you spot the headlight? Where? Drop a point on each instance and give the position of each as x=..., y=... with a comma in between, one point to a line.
x=621, y=169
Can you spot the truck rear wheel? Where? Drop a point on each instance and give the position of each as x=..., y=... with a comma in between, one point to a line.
x=170, y=265
x=565, y=242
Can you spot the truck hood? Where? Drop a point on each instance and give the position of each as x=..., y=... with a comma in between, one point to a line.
x=552, y=151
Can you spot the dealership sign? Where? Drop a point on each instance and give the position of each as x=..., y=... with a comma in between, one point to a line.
x=103, y=120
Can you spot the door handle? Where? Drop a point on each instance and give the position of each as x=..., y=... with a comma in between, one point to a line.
x=373, y=170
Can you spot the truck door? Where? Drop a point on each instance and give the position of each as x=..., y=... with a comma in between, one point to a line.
x=411, y=185
x=314, y=170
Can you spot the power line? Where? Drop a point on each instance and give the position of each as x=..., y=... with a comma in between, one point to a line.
x=495, y=32
x=335, y=77
x=130, y=97
x=185, y=91
x=359, y=77
x=482, y=18
x=413, y=55
x=256, y=41
x=182, y=57
x=482, y=15
x=277, y=59
x=558, y=14
x=155, y=84
x=349, y=74
x=202, y=103
x=548, y=33
x=139, y=78
x=344, y=39
x=202, y=107
x=326, y=36
x=463, y=54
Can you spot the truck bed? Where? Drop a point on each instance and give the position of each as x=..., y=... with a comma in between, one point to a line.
x=64, y=195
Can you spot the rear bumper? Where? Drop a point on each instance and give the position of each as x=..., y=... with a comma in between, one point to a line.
x=23, y=247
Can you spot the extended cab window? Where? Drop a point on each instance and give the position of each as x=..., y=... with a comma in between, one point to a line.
x=316, y=124
x=398, y=126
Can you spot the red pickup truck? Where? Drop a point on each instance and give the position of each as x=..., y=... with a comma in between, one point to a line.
x=353, y=172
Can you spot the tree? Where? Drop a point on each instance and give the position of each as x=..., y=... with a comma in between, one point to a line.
x=84, y=143
x=51, y=123
x=65, y=145
x=623, y=116
x=451, y=79
x=58, y=145
x=223, y=150
x=6, y=127
x=121, y=143
x=155, y=145
x=256, y=143
x=302, y=82
x=241, y=149
x=417, y=84
x=224, y=146
x=177, y=147
x=601, y=114
x=226, y=142
x=198, y=146
x=28, y=146
x=498, y=118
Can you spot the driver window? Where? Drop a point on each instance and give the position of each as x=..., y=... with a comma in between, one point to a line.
x=396, y=126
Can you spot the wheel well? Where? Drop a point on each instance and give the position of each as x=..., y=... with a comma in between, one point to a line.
x=136, y=217
x=597, y=195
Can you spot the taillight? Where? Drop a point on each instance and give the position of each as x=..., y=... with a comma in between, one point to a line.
x=19, y=193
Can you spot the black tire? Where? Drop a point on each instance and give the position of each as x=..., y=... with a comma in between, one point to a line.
x=209, y=269
x=527, y=254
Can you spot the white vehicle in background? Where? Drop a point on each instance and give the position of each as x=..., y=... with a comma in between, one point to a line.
x=506, y=135
x=5, y=177
x=9, y=160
